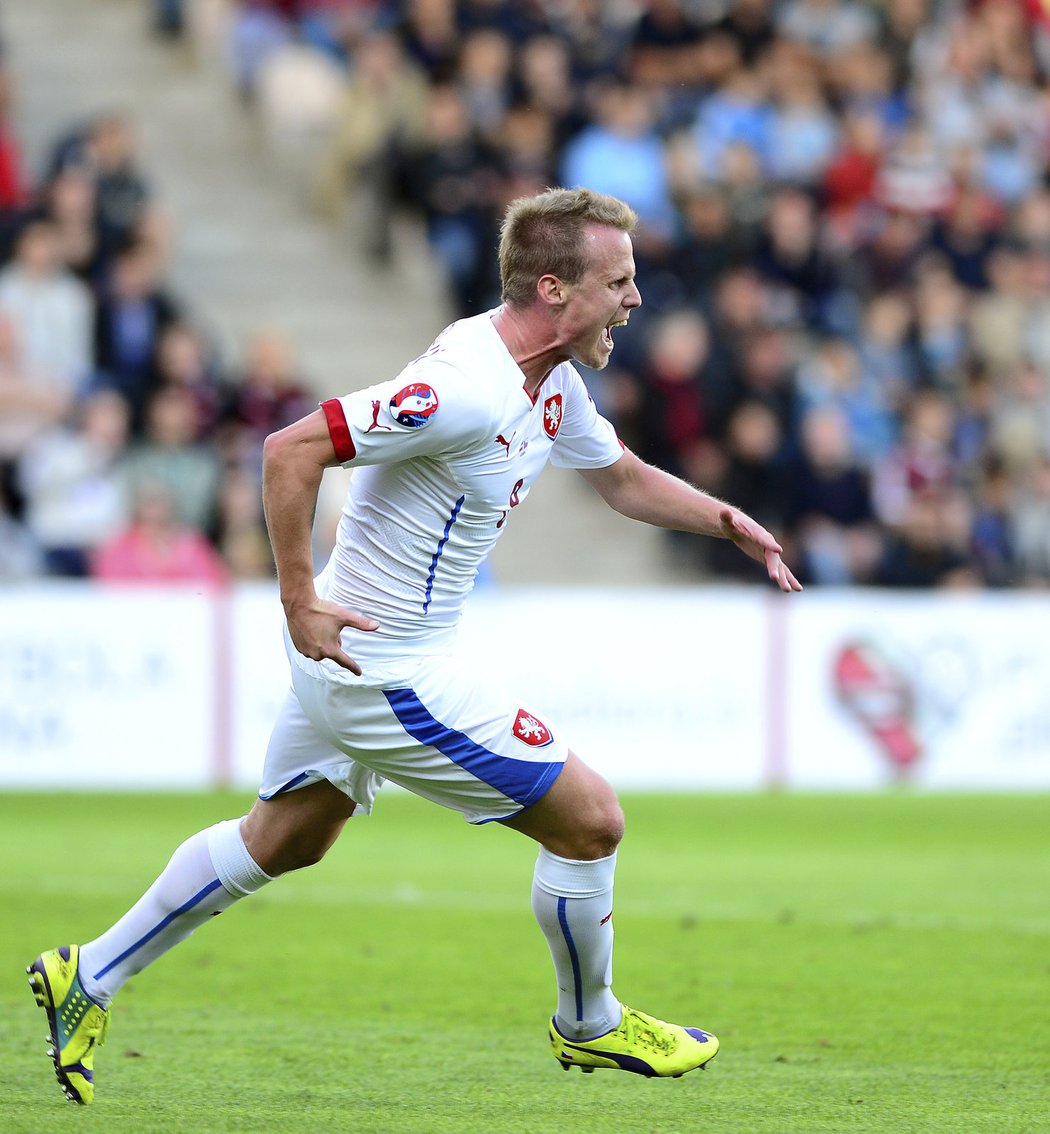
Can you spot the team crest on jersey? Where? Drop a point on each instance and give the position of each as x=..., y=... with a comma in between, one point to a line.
x=414, y=406
x=552, y=408
x=530, y=730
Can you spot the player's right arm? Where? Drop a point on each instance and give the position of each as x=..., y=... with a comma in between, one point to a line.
x=294, y=460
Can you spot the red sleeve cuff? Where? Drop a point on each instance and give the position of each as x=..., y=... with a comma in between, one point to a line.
x=345, y=450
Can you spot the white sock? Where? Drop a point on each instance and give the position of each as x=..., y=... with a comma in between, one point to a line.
x=205, y=875
x=572, y=901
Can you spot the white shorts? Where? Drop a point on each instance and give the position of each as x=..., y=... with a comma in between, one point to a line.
x=434, y=731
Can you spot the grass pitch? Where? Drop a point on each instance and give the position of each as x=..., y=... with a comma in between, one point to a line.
x=870, y=963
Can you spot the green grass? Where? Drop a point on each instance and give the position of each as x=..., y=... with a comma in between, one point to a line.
x=870, y=963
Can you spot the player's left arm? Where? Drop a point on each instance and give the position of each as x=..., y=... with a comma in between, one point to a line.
x=643, y=492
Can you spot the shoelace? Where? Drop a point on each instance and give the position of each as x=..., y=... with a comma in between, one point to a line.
x=640, y=1032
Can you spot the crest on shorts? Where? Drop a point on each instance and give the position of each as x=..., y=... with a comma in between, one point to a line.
x=414, y=406
x=530, y=730
x=552, y=409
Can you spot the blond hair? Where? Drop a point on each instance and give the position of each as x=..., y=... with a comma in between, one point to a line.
x=543, y=235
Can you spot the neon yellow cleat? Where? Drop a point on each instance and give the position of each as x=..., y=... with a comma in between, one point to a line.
x=641, y=1044
x=78, y=1025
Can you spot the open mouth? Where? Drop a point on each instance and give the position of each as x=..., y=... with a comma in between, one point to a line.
x=607, y=335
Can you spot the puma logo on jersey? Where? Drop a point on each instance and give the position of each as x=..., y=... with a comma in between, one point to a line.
x=376, y=407
x=501, y=440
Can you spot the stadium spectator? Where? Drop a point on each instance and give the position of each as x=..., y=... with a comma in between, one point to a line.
x=671, y=417
x=833, y=375
x=451, y=177
x=69, y=202
x=992, y=543
x=185, y=361
x=20, y=557
x=73, y=485
x=754, y=446
x=621, y=153
x=751, y=27
x=924, y=551
x=430, y=34
x=171, y=455
x=258, y=29
x=544, y=82
x=31, y=400
x=132, y=318
x=921, y=463
x=484, y=77
x=828, y=503
x=378, y=119
x=265, y=395
x=124, y=207
x=804, y=134
x=240, y=530
x=50, y=310
x=157, y=547
x=667, y=53
x=803, y=282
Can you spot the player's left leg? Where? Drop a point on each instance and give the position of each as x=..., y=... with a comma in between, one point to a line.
x=578, y=824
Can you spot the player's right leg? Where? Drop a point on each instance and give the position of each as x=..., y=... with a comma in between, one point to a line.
x=578, y=825
x=208, y=873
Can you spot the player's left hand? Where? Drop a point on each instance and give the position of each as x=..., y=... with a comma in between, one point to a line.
x=754, y=541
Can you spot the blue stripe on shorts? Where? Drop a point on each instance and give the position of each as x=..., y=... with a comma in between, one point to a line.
x=523, y=781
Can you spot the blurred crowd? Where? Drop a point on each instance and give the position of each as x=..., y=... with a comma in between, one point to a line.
x=844, y=254
x=130, y=450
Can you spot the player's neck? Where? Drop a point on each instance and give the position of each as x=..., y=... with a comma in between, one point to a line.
x=531, y=344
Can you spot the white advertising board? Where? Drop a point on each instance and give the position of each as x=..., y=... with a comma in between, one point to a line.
x=653, y=688
x=102, y=687
x=710, y=688
x=944, y=691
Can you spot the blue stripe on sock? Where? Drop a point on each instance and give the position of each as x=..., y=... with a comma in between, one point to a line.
x=524, y=781
x=194, y=901
x=574, y=957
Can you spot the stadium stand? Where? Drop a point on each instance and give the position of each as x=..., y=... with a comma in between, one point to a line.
x=844, y=248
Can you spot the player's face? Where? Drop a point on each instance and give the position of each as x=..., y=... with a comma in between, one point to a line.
x=602, y=299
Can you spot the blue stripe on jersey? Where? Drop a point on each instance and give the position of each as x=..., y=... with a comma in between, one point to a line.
x=440, y=548
x=524, y=781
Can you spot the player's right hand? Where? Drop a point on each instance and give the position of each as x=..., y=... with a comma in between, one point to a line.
x=316, y=628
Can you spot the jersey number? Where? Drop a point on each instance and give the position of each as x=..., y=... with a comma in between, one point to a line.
x=513, y=503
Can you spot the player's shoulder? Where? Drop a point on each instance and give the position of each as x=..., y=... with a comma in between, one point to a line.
x=567, y=380
x=455, y=377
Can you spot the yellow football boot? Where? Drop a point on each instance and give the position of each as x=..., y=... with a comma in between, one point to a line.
x=641, y=1044
x=78, y=1025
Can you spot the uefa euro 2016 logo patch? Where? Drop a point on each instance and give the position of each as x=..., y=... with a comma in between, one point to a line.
x=414, y=406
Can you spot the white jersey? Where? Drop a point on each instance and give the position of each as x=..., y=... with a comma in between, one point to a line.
x=445, y=452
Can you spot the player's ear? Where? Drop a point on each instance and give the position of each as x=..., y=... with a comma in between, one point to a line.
x=551, y=290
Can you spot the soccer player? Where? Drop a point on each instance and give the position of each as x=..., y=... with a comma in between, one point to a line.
x=445, y=452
